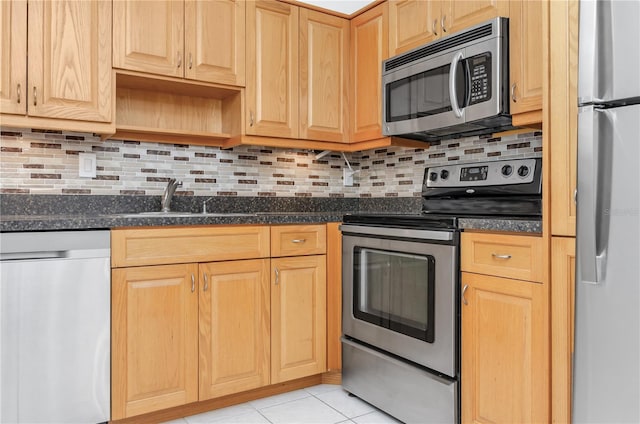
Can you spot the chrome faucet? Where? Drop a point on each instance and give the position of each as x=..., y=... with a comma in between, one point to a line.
x=172, y=185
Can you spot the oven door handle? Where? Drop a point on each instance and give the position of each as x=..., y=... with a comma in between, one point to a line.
x=397, y=232
x=452, y=84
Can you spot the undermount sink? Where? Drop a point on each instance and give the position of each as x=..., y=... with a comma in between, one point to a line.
x=177, y=214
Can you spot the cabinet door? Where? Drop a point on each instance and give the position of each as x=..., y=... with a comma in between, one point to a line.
x=504, y=351
x=412, y=23
x=563, y=279
x=324, y=76
x=460, y=14
x=369, y=47
x=214, y=41
x=13, y=57
x=298, y=317
x=70, y=72
x=154, y=338
x=563, y=91
x=234, y=327
x=525, y=51
x=272, y=69
x=148, y=36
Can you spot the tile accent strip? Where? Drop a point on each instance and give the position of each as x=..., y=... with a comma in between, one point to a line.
x=46, y=162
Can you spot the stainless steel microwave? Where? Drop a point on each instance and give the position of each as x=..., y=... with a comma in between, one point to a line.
x=456, y=86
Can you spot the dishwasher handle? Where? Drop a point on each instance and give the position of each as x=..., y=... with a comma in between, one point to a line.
x=55, y=254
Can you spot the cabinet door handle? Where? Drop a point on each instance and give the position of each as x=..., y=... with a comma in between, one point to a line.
x=444, y=18
x=298, y=240
x=190, y=60
x=434, y=27
x=179, y=59
x=193, y=283
x=35, y=96
x=464, y=290
x=277, y=272
x=497, y=256
x=251, y=118
x=513, y=92
x=206, y=281
x=19, y=93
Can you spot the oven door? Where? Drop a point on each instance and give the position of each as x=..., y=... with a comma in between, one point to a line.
x=399, y=294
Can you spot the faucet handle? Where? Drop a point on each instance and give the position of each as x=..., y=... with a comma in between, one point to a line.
x=204, y=205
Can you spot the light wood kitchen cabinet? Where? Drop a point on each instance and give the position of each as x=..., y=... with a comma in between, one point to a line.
x=416, y=22
x=196, y=39
x=13, y=57
x=505, y=335
x=324, y=76
x=272, y=69
x=297, y=73
x=298, y=317
x=369, y=47
x=525, y=51
x=68, y=67
x=504, y=351
x=563, y=115
x=234, y=327
x=563, y=277
x=154, y=338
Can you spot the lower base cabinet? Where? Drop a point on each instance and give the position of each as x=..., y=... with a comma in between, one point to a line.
x=234, y=327
x=154, y=338
x=298, y=317
x=504, y=350
x=183, y=333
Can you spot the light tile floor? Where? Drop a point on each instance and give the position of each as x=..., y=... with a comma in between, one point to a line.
x=322, y=404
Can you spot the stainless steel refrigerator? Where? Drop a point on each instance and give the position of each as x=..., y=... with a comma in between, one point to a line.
x=606, y=370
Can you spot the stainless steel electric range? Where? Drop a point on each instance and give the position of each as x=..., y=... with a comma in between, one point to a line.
x=401, y=294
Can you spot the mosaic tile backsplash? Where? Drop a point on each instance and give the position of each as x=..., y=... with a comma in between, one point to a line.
x=46, y=162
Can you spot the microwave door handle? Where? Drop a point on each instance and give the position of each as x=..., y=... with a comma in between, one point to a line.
x=452, y=84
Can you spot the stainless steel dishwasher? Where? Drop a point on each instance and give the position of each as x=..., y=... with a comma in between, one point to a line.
x=55, y=303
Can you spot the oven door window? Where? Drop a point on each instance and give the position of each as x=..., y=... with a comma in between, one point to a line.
x=395, y=290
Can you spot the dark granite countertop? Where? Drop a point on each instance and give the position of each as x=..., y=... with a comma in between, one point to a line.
x=50, y=213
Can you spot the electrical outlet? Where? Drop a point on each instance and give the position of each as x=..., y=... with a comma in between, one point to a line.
x=87, y=165
x=347, y=177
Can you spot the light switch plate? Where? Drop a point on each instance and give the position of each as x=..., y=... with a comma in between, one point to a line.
x=347, y=177
x=87, y=165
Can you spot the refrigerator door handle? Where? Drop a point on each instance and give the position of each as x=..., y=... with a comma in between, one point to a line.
x=592, y=173
x=587, y=52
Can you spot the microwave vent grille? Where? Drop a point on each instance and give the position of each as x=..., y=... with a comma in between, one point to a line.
x=430, y=49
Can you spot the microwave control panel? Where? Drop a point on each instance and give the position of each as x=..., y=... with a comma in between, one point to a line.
x=504, y=172
x=480, y=76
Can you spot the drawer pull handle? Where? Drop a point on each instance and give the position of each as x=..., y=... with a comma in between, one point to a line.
x=193, y=283
x=495, y=255
x=277, y=276
x=19, y=93
x=464, y=290
x=434, y=27
x=513, y=93
x=179, y=60
x=190, y=60
x=35, y=96
x=444, y=28
x=298, y=240
x=206, y=281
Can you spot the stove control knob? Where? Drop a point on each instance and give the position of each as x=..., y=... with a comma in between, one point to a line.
x=507, y=170
x=433, y=176
x=523, y=171
x=444, y=174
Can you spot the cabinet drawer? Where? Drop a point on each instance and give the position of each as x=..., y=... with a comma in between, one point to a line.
x=151, y=246
x=501, y=255
x=295, y=240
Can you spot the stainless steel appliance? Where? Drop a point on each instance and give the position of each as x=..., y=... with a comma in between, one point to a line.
x=456, y=86
x=606, y=370
x=55, y=337
x=401, y=326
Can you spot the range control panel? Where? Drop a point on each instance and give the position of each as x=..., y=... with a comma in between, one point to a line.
x=481, y=174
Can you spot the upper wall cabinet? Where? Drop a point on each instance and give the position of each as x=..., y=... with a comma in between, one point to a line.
x=199, y=40
x=416, y=22
x=272, y=69
x=297, y=73
x=369, y=47
x=525, y=51
x=69, y=65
